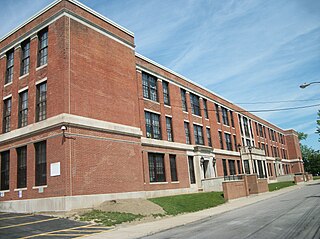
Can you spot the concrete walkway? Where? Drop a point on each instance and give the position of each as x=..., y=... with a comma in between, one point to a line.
x=149, y=228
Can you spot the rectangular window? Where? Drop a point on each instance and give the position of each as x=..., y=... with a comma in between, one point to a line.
x=232, y=168
x=5, y=166
x=235, y=143
x=240, y=124
x=205, y=108
x=22, y=167
x=169, y=128
x=156, y=167
x=224, y=165
x=41, y=163
x=183, y=100
x=166, y=98
x=173, y=168
x=250, y=126
x=239, y=167
x=23, y=109
x=149, y=84
x=43, y=47
x=225, y=118
x=267, y=150
x=231, y=118
x=41, y=111
x=7, y=106
x=246, y=126
x=191, y=170
x=260, y=130
x=153, y=130
x=25, y=57
x=220, y=139
x=198, y=136
x=209, y=137
x=256, y=125
x=9, y=69
x=228, y=141
x=217, y=113
x=187, y=132
x=195, y=104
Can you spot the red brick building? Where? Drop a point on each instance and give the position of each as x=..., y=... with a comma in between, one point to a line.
x=86, y=119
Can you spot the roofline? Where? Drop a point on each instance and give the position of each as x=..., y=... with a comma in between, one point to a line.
x=77, y=3
x=200, y=86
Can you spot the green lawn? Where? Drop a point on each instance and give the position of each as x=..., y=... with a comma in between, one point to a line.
x=279, y=185
x=109, y=218
x=174, y=205
x=316, y=177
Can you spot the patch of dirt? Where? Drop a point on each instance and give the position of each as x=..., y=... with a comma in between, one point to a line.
x=134, y=206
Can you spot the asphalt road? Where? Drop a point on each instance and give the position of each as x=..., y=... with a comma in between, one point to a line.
x=13, y=225
x=295, y=214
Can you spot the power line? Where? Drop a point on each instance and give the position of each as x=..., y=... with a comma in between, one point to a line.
x=274, y=102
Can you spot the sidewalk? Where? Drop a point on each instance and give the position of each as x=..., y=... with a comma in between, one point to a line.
x=149, y=228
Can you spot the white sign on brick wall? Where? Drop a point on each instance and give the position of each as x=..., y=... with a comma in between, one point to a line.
x=55, y=169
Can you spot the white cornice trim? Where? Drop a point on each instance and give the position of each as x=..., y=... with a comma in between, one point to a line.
x=165, y=144
x=77, y=4
x=226, y=152
x=7, y=97
x=71, y=120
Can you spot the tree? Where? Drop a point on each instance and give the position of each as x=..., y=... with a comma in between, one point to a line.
x=302, y=136
x=311, y=159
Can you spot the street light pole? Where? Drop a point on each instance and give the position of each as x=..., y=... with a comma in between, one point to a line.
x=304, y=85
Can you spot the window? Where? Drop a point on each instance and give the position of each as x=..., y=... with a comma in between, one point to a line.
x=169, y=128
x=22, y=167
x=260, y=130
x=256, y=125
x=156, y=167
x=209, y=137
x=166, y=98
x=195, y=105
x=153, y=125
x=184, y=100
x=231, y=118
x=41, y=112
x=41, y=163
x=217, y=113
x=228, y=141
x=25, y=57
x=239, y=167
x=149, y=84
x=246, y=166
x=267, y=148
x=7, y=104
x=246, y=126
x=43, y=47
x=191, y=170
x=240, y=124
x=232, y=167
x=23, y=109
x=9, y=69
x=5, y=166
x=205, y=108
x=198, y=134
x=235, y=143
x=187, y=132
x=250, y=126
x=173, y=168
x=224, y=165
x=225, y=118
x=220, y=139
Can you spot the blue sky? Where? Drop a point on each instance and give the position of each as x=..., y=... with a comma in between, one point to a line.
x=246, y=51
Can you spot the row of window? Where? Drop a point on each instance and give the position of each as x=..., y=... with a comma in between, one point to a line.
x=25, y=56
x=40, y=166
x=232, y=167
x=41, y=108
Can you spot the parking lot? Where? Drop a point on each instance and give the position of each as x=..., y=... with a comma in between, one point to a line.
x=14, y=225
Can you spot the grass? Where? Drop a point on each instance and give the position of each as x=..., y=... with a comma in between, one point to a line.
x=174, y=205
x=279, y=185
x=109, y=218
x=316, y=177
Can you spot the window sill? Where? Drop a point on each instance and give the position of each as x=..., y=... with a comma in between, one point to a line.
x=168, y=106
x=23, y=76
x=159, y=183
x=228, y=126
x=207, y=119
x=197, y=116
x=156, y=102
x=37, y=187
x=40, y=67
x=10, y=83
x=175, y=182
x=185, y=112
x=20, y=189
x=4, y=191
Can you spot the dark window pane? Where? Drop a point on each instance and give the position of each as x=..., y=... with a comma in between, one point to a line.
x=7, y=106
x=149, y=84
x=198, y=136
x=22, y=167
x=195, y=104
x=209, y=137
x=184, y=100
x=173, y=168
x=25, y=57
x=41, y=111
x=5, y=167
x=43, y=47
x=169, y=128
x=41, y=163
x=205, y=108
x=152, y=125
x=166, y=98
x=9, y=69
x=191, y=170
x=23, y=109
x=156, y=167
x=187, y=132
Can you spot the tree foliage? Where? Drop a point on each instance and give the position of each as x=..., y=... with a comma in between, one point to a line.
x=311, y=159
x=302, y=136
